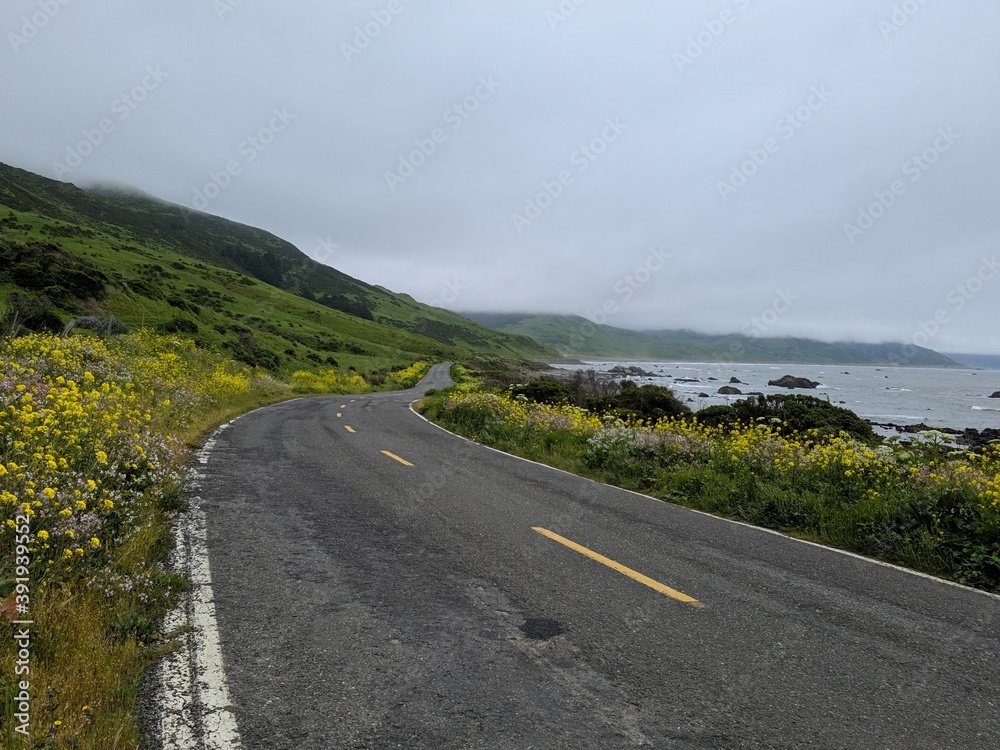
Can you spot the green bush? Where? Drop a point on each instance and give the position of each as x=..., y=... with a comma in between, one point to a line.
x=720, y=415
x=639, y=402
x=179, y=325
x=795, y=413
x=544, y=391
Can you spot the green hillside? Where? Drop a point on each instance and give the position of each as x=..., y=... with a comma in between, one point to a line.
x=574, y=336
x=67, y=252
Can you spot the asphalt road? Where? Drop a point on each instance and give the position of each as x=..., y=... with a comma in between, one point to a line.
x=364, y=602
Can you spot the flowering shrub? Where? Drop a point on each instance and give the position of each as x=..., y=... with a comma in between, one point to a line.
x=87, y=429
x=491, y=410
x=410, y=376
x=329, y=381
x=143, y=585
x=667, y=441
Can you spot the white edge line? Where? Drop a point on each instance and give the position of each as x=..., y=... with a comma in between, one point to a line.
x=193, y=704
x=194, y=710
x=855, y=555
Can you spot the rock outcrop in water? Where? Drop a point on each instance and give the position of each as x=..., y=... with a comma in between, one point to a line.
x=631, y=371
x=789, y=381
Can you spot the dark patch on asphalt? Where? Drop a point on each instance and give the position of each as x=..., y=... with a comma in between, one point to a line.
x=541, y=628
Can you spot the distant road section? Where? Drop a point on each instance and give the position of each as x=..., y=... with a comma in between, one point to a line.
x=380, y=583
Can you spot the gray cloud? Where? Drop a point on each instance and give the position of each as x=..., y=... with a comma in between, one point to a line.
x=701, y=90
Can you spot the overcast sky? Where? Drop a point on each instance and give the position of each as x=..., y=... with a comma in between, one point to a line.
x=775, y=167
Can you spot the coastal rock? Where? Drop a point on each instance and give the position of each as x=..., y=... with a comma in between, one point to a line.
x=979, y=438
x=686, y=380
x=971, y=437
x=711, y=378
x=631, y=371
x=702, y=395
x=728, y=390
x=923, y=427
x=735, y=379
x=995, y=394
x=789, y=381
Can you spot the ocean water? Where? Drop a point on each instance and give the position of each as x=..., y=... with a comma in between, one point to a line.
x=900, y=395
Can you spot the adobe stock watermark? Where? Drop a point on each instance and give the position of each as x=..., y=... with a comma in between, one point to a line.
x=122, y=107
x=434, y=481
x=563, y=12
x=581, y=158
x=31, y=26
x=901, y=15
x=22, y=625
x=957, y=298
x=787, y=126
x=454, y=117
x=224, y=7
x=325, y=249
x=251, y=147
x=713, y=29
x=366, y=32
x=624, y=289
x=452, y=290
x=759, y=324
x=915, y=167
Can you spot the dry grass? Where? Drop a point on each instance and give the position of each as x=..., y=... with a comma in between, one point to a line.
x=89, y=676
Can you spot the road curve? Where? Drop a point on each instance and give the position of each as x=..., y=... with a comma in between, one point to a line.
x=380, y=583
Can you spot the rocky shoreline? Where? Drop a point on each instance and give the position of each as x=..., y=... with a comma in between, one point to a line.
x=968, y=437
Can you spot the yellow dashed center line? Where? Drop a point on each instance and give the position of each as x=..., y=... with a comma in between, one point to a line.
x=339, y=415
x=394, y=457
x=633, y=574
x=348, y=428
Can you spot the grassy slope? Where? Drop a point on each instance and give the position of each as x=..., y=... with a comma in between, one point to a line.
x=164, y=262
x=574, y=336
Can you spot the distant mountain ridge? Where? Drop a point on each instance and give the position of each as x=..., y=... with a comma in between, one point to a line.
x=575, y=336
x=116, y=251
x=985, y=361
